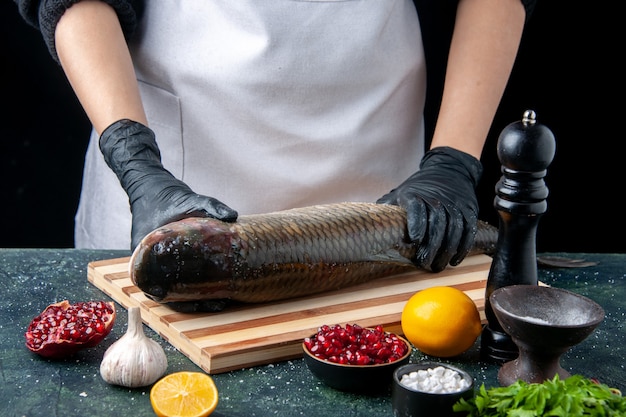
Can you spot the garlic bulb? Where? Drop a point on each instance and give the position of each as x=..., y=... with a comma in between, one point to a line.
x=134, y=360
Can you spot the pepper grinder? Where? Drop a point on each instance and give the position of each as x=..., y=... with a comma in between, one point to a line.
x=525, y=149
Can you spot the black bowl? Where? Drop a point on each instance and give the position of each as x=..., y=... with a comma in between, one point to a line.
x=409, y=402
x=355, y=378
x=547, y=317
x=544, y=322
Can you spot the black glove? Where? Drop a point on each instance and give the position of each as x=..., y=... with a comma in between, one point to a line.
x=156, y=197
x=442, y=208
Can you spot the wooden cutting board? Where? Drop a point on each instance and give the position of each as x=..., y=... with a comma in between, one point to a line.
x=257, y=334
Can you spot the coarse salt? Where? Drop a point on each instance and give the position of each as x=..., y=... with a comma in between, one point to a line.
x=438, y=380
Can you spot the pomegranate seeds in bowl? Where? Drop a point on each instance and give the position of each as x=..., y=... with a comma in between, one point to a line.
x=63, y=329
x=355, y=345
x=354, y=358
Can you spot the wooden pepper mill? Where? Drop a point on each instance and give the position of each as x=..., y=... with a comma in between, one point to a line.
x=525, y=149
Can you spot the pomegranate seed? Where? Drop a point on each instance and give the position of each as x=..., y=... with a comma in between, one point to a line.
x=355, y=345
x=62, y=328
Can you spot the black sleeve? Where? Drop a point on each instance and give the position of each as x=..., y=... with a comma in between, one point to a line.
x=529, y=5
x=45, y=14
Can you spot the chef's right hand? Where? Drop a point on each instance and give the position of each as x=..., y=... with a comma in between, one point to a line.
x=156, y=197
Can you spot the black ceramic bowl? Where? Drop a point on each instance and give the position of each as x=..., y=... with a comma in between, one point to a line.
x=544, y=322
x=410, y=402
x=355, y=378
x=546, y=317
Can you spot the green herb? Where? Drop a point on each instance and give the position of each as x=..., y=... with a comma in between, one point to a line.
x=570, y=397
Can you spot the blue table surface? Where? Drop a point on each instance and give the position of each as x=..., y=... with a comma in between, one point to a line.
x=30, y=279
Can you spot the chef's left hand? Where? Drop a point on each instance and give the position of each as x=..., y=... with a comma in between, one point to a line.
x=442, y=208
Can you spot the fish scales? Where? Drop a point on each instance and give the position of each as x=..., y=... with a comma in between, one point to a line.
x=339, y=233
x=279, y=255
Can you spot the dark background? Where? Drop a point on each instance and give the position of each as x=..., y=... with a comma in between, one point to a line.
x=569, y=70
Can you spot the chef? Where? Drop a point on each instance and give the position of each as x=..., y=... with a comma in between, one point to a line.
x=220, y=108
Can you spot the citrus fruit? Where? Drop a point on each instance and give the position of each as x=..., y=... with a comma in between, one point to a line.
x=184, y=394
x=441, y=321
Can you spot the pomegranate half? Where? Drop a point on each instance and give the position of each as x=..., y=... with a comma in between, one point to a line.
x=63, y=329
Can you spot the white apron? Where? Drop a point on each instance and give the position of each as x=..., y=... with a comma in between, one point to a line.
x=271, y=104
